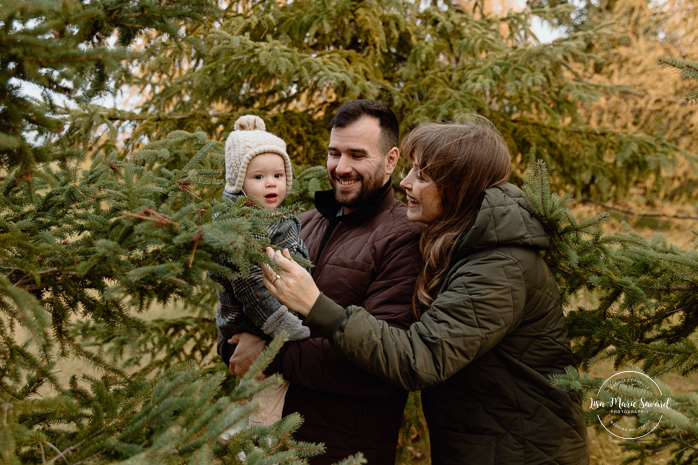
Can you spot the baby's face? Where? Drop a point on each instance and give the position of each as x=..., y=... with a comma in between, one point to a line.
x=265, y=179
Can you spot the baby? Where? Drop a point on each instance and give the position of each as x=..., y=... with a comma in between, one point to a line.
x=257, y=165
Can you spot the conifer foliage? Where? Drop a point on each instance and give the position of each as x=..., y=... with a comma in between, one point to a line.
x=689, y=71
x=294, y=63
x=97, y=245
x=646, y=99
x=647, y=293
x=84, y=250
x=65, y=51
x=104, y=211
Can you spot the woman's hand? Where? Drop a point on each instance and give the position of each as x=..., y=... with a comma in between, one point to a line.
x=292, y=286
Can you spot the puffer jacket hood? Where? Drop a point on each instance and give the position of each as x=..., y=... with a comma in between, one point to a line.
x=504, y=219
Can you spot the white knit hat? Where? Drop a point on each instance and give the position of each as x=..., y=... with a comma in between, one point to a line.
x=248, y=140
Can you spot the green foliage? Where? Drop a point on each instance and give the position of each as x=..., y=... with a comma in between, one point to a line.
x=647, y=292
x=294, y=63
x=85, y=249
x=676, y=432
x=62, y=49
x=645, y=99
x=176, y=417
x=689, y=71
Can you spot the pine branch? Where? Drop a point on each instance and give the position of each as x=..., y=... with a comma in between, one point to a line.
x=689, y=70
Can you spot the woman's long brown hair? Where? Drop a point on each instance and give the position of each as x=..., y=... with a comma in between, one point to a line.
x=463, y=160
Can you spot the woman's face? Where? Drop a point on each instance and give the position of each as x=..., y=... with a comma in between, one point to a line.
x=423, y=199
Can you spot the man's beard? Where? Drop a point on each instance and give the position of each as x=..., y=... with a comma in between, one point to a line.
x=369, y=187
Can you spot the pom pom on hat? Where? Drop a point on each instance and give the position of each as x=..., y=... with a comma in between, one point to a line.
x=250, y=123
x=248, y=140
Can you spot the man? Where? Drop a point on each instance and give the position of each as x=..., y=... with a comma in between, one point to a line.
x=365, y=253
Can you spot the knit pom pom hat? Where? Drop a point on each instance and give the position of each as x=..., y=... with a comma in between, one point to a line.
x=248, y=140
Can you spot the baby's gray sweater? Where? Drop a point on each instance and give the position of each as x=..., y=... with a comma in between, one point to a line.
x=245, y=305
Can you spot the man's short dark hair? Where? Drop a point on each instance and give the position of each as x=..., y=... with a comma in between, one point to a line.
x=354, y=110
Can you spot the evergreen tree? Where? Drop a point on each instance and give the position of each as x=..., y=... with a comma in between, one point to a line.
x=62, y=49
x=294, y=63
x=86, y=247
x=81, y=252
x=84, y=250
x=647, y=293
x=645, y=99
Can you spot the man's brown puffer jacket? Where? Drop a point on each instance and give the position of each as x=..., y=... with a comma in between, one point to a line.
x=370, y=258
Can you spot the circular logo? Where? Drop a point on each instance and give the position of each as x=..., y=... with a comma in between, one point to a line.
x=626, y=398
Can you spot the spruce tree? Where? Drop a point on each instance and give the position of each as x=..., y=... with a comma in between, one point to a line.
x=641, y=97
x=84, y=250
x=645, y=317
x=294, y=63
x=107, y=210
x=66, y=51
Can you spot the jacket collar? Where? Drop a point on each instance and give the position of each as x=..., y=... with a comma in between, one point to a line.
x=233, y=197
x=328, y=207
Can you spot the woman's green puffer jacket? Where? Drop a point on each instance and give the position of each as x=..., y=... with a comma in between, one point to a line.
x=482, y=354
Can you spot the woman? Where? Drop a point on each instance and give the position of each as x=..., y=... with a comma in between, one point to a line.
x=491, y=327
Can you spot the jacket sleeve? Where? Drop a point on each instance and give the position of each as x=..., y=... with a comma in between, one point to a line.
x=283, y=320
x=258, y=304
x=265, y=314
x=484, y=300
x=224, y=349
x=314, y=364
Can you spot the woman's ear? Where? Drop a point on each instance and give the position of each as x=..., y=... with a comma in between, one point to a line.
x=391, y=159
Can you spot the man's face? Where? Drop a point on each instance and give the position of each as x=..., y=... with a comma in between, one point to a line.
x=357, y=168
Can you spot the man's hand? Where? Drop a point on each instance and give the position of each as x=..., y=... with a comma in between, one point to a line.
x=248, y=349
